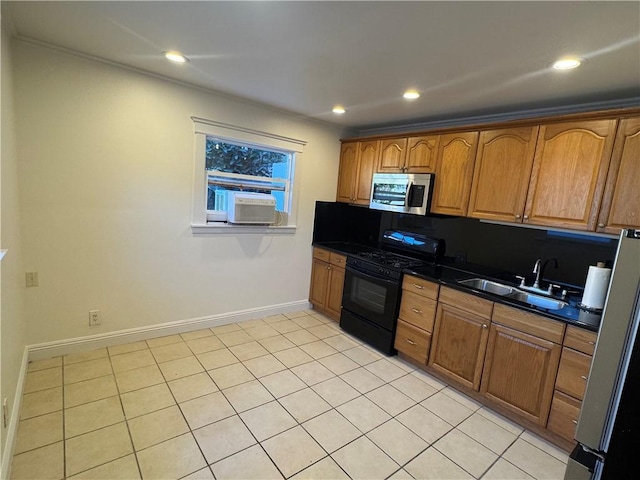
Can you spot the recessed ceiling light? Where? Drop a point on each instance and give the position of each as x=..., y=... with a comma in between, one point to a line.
x=567, y=63
x=175, y=57
x=411, y=95
x=338, y=109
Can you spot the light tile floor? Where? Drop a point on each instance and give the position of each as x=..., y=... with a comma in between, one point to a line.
x=285, y=396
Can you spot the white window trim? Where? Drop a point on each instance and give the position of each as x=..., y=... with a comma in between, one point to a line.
x=232, y=133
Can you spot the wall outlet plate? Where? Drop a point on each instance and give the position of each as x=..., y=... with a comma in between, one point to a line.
x=31, y=279
x=94, y=318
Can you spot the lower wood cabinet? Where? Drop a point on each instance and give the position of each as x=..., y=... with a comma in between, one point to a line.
x=520, y=371
x=413, y=342
x=571, y=382
x=573, y=373
x=417, y=313
x=459, y=342
x=522, y=362
x=563, y=418
x=327, y=282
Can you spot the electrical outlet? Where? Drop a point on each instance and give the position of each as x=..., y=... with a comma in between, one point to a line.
x=5, y=412
x=31, y=279
x=94, y=318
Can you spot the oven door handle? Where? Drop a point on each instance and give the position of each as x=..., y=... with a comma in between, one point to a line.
x=375, y=278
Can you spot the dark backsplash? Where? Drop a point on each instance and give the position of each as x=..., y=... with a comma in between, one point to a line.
x=512, y=249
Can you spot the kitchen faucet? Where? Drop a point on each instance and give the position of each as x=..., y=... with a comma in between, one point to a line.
x=538, y=270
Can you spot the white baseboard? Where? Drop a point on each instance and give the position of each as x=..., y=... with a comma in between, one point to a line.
x=12, y=428
x=82, y=344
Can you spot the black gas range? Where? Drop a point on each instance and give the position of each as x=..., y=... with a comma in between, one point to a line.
x=373, y=285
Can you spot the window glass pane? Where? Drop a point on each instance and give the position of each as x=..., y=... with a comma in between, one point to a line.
x=227, y=157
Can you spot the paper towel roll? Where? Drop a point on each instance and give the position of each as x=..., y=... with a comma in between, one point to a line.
x=595, y=289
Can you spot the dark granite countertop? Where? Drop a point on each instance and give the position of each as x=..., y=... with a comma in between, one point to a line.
x=449, y=273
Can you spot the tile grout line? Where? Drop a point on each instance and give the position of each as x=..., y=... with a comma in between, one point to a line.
x=124, y=415
x=278, y=400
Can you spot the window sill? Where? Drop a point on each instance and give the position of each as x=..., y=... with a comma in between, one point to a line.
x=216, y=228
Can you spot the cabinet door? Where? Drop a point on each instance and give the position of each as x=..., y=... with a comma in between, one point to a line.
x=569, y=172
x=334, y=290
x=392, y=155
x=520, y=371
x=454, y=172
x=621, y=202
x=501, y=174
x=367, y=162
x=319, y=283
x=348, y=173
x=459, y=344
x=421, y=154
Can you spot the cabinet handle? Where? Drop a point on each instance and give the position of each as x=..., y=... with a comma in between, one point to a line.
x=484, y=325
x=591, y=343
x=420, y=287
x=517, y=216
x=526, y=217
x=575, y=421
x=584, y=377
x=415, y=310
x=411, y=342
x=601, y=225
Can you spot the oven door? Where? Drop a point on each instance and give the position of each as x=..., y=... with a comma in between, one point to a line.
x=371, y=296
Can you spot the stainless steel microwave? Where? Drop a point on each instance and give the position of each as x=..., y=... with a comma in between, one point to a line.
x=401, y=192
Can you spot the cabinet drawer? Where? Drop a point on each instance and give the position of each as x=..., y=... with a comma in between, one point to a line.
x=466, y=302
x=337, y=259
x=420, y=286
x=413, y=342
x=321, y=254
x=563, y=417
x=530, y=323
x=418, y=311
x=580, y=339
x=573, y=372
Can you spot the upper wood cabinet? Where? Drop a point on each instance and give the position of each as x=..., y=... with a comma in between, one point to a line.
x=501, y=173
x=621, y=201
x=358, y=161
x=393, y=153
x=569, y=173
x=409, y=155
x=454, y=172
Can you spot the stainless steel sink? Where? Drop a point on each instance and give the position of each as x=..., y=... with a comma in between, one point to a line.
x=488, y=286
x=513, y=293
x=538, y=300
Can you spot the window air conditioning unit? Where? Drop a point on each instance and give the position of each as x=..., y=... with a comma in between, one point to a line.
x=252, y=208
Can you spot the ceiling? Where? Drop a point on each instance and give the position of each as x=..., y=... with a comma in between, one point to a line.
x=465, y=58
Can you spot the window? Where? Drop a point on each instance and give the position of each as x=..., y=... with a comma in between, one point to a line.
x=230, y=158
x=234, y=167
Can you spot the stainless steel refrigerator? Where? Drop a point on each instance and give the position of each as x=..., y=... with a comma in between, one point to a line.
x=607, y=431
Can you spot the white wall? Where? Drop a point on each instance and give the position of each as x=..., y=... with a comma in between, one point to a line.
x=12, y=321
x=105, y=180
